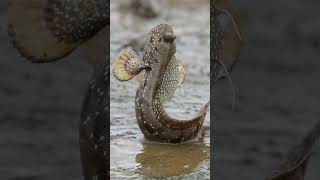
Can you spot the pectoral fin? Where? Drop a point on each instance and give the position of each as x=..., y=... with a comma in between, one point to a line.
x=127, y=65
x=173, y=78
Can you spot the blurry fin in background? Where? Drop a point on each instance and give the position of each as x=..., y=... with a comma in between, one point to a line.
x=231, y=41
x=45, y=30
x=226, y=39
x=30, y=35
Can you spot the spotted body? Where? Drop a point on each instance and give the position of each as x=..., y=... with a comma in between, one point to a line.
x=163, y=75
x=69, y=23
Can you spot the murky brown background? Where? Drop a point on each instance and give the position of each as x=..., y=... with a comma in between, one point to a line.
x=131, y=156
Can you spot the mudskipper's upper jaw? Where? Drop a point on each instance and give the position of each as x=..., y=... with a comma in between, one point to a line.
x=169, y=37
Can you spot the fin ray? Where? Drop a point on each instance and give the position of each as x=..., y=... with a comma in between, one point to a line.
x=127, y=65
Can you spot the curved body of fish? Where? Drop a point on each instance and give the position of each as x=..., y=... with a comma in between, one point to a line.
x=297, y=158
x=163, y=74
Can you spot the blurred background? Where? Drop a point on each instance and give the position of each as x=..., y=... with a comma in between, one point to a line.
x=131, y=156
x=277, y=90
x=39, y=114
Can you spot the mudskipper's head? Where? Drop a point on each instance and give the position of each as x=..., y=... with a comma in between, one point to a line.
x=160, y=46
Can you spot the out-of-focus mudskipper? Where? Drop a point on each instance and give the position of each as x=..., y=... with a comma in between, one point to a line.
x=49, y=30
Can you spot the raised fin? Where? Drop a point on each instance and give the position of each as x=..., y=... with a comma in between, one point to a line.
x=173, y=77
x=74, y=21
x=29, y=34
x=127, y=65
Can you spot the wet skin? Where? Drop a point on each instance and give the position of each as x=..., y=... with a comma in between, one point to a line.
x=154, y=122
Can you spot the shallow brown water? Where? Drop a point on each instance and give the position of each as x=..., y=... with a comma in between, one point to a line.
x=131, y=155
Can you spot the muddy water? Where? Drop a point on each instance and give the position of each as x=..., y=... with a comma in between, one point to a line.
x=131, y=155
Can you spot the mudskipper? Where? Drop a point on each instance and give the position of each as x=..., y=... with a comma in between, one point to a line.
x=163, y=73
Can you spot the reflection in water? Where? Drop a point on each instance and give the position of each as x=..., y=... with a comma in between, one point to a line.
x=167, y=160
